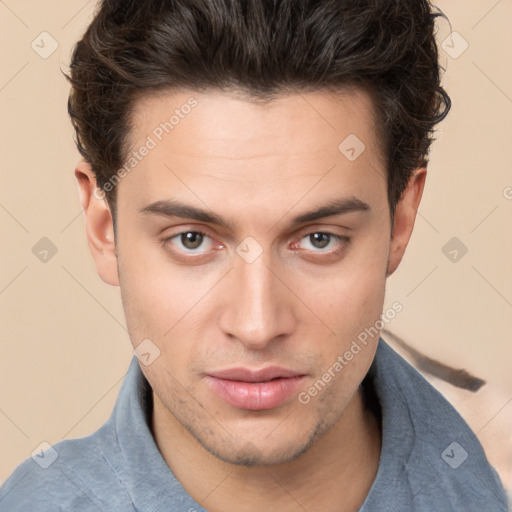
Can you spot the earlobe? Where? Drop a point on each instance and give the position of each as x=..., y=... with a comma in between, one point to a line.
x=99, y=224
x=405, y=215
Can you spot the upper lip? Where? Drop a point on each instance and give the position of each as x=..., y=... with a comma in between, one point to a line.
x=254, y=375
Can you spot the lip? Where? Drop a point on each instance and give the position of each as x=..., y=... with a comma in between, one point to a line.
x=255, y=390
x=254, y=375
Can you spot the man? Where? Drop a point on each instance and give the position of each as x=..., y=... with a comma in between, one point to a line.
x=250, y=178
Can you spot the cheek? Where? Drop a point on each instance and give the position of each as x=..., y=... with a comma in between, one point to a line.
x=151, y=294
x=163, y=303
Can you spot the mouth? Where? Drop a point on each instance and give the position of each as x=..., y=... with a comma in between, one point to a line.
x=255, y=390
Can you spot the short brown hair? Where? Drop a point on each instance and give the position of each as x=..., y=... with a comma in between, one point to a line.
x=261, y=48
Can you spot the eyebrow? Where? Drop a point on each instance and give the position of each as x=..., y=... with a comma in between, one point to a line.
x=174, y=208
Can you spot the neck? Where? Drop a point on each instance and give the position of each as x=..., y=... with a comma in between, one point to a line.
x=334, y=474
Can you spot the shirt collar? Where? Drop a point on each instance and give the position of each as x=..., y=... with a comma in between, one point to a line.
x=150, y=482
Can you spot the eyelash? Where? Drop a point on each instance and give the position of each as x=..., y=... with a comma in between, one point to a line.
x=342, y=241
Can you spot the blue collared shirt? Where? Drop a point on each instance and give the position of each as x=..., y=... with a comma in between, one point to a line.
x=430, y=460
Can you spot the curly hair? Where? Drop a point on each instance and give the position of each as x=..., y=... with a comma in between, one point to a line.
x=261, y=48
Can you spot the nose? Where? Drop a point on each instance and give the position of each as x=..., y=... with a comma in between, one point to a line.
x=259, y=306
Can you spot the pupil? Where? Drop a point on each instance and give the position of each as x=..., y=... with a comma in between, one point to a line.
x=317, y=237
x=191, y=240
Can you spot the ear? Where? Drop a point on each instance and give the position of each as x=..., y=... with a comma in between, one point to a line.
x=99, y=225
x=405, y=215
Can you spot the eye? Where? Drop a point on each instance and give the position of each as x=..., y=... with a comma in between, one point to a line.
x=323, y=241
x=189, y=241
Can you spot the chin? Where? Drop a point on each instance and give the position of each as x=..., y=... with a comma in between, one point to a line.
x=250, y=455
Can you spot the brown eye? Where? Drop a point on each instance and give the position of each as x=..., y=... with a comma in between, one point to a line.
x=189, y=242
x=192, y=247
x=322, y=246
x=320, y=240
x=191, y=239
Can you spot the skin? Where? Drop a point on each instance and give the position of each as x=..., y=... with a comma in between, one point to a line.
x=299, y=305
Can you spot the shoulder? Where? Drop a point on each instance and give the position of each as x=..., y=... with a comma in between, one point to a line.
x=443, y=460
x=74, y=474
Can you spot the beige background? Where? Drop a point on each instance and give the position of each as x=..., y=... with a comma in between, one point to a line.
x=64, y=348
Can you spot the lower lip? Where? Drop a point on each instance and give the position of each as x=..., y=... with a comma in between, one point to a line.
x=255, y=396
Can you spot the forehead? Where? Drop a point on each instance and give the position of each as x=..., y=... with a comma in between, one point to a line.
x=218, y=120
x=216, y=144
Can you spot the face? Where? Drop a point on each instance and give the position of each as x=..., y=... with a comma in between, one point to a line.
x=248, y=292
